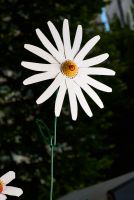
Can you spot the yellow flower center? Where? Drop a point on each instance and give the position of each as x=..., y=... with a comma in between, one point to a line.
x=1, y=186
x=69, y=68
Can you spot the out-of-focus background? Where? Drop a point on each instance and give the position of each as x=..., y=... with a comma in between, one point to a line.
x=90, y=150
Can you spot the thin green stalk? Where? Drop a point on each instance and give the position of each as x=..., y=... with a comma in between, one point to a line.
x=55, y=128
x=53, y=144
x=52, y=160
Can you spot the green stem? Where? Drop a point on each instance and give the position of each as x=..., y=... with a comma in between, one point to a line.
x=53, y=144
x=55, y=128
x=52, y=159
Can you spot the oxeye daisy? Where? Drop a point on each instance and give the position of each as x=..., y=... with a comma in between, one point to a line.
x=66, y=65
x=8, y=190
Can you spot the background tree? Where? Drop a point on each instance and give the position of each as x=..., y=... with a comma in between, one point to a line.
x=89, y=150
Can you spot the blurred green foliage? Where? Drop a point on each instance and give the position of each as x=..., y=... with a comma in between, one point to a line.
x=89, y=150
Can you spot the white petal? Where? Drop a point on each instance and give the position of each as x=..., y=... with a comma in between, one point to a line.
x=12, y=191
x=87, y=47
x=96, y=84
x=51, y=89
x=39, y=77
x=8, y=177
x=49, y=46
x=40, y=52
x=77, y=41
x=72, y=99
x=3, y=197
x=82, y=100
x=96, y=71
x=66, y=39
x=60, y=98
x=56, y=37
x=94, y=61
x=89, y=91
x=41, y=67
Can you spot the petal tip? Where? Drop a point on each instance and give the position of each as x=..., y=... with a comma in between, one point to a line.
x=80, y=26
x=98, y=36
x=37, y=30
x=25, y=82
x=12, y=173
x=49, y=22
x=74, y=119
x=90, y=114
x=20, y=192
x=38, y=101
x=102, y=106
x=22, y=63
x=114, y=73
x=25, y=46
x=107, y=55
x=65, y=21
x=57, y=114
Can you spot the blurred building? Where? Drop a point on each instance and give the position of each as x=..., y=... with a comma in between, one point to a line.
x=124, y=191
x=119, y=188
x=104, y=19
x=124, y=10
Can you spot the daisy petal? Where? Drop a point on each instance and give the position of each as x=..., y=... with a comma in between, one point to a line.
x=96, y=84
x=87, y=47
x=72, y=99
x=8, y=177
x=41, y=67
x=49, y=46
x=89, y=91
x=77, y=41
x=51, y=89
x=94, y=61
x=82, y=100
x=56, y=37
x=97, y=71
x=13, y=191
x=60, y=98
x=3, y=197
x=39, y=77
x=66, y=39
x=41, y=53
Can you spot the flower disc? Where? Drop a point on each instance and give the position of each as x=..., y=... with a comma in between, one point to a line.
x=1, y=186
x=69, y=68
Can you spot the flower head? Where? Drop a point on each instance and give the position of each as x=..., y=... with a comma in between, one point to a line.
x=8, y=190
x=66, y=65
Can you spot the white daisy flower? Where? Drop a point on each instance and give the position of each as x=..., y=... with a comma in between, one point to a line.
x=8, y=190
x=68, y=69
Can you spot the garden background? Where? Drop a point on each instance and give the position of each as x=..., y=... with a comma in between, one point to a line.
x=89, y=150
